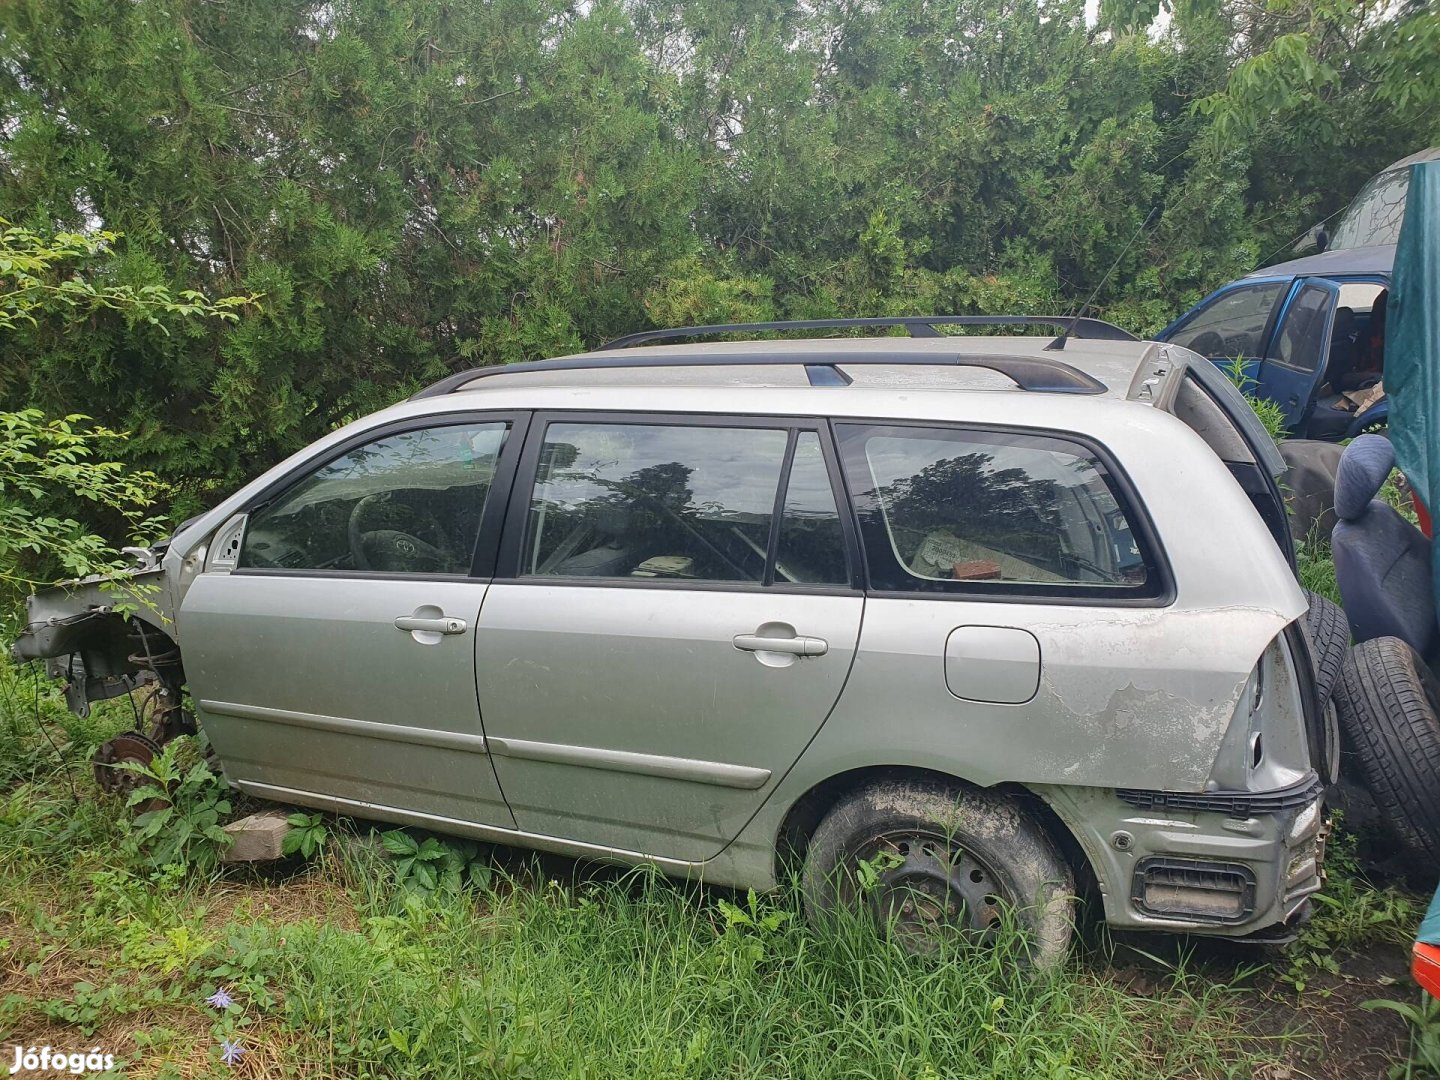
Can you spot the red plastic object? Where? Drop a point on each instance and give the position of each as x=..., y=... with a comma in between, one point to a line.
x=1423, y=514
x=1425, y=965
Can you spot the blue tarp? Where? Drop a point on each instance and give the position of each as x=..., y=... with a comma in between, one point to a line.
x=1412, y=341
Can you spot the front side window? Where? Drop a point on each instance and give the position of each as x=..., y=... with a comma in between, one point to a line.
x=674, y=502
x=407, y=503
x=1233, y=324
x=1297, y=345
x=950, y=510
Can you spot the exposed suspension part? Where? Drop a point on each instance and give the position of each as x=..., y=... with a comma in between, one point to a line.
x=157, y=680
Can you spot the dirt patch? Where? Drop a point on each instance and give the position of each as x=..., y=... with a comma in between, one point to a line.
x=279, y=901
x=1342, y=1039
x=1322, y=1032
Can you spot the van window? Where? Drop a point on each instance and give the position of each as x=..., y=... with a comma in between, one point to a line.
x=953, y=510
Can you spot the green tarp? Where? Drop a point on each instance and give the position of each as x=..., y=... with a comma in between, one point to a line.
x=1412, y=341
x=1430, y=927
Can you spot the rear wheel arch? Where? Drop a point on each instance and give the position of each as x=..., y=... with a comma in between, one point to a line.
x=792, y=840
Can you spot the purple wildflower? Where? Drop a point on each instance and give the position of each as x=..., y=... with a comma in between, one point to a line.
x=230, y=1052
x=221, y=999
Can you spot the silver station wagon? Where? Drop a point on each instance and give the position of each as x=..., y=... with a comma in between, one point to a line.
x=998, y=617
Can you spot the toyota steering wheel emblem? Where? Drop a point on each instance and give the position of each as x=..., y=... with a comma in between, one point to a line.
x=405, y=547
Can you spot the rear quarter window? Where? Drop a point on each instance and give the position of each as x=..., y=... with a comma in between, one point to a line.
x=952, y=510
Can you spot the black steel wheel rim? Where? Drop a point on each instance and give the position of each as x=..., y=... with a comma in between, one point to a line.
x=923, y=886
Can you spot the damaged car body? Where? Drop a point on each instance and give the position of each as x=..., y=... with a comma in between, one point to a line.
x=947, y=607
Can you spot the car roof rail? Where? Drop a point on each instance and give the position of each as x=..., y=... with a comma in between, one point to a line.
x=1040, y=374
x=917, y=325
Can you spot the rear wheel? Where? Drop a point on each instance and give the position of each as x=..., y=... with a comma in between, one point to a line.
x=1388, y=701
x=928, y=862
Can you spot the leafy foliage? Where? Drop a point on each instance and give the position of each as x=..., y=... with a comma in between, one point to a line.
x=185, y=830
x=52, y=471
x=416, y=186
x=306, y=837
x=35, y=286
x=431, y=865
x=45, y=463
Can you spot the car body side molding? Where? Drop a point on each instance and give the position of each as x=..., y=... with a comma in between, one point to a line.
x=445, y=740
x=718, y=773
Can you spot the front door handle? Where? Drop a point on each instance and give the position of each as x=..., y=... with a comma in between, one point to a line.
x=442, y=625
x=795, y=646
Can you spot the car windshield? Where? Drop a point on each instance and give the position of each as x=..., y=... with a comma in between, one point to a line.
x=1373, y=216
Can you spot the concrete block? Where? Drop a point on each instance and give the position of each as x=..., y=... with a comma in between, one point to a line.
x=257, y=838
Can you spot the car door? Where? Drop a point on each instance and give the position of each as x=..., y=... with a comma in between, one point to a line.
x=1296, y=354
x=679, y=618
x=1231, y=326
x=329, y=642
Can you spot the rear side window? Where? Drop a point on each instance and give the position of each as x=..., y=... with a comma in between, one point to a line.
x=685, y=503
x=1233, y=324
x=950, y=510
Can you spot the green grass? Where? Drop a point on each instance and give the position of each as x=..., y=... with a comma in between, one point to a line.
x=542, y=970
x=1317, y=568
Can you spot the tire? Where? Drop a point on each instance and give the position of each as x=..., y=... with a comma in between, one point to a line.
x=1327, y=631
x=1387, y=700
x=965, y=854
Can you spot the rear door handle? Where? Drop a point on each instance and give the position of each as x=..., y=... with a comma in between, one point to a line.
x=795, y=646
x=444, y=625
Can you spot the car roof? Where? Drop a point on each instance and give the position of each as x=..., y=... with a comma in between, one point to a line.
x=1112, y=363
x=1430, y=154
x=1335, y=263
x=1130, y=373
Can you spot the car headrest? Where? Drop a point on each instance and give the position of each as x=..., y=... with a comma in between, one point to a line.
x=1364, y=468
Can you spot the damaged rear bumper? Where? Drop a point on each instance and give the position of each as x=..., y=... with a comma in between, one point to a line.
x=1246, y=868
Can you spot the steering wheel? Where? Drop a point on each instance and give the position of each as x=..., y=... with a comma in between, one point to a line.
x=1208, y=343
x=376, y=545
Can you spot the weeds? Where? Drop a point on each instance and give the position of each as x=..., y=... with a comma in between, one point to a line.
x=1352, y=913
x=1317, y=568
x=185, y=828
x=425, y=960
x=306, y=837
x=435, y=864
x=1424, y=1021
x=1270, y=414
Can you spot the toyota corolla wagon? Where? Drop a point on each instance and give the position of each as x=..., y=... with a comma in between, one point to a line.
x=990, y=615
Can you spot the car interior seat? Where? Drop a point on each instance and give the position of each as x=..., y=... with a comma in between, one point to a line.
x=1382, y=562
x=1342, y=345
x=1327, y=421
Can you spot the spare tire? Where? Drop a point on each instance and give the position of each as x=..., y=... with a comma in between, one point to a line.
x=1327, y=631
x=1389, y=705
